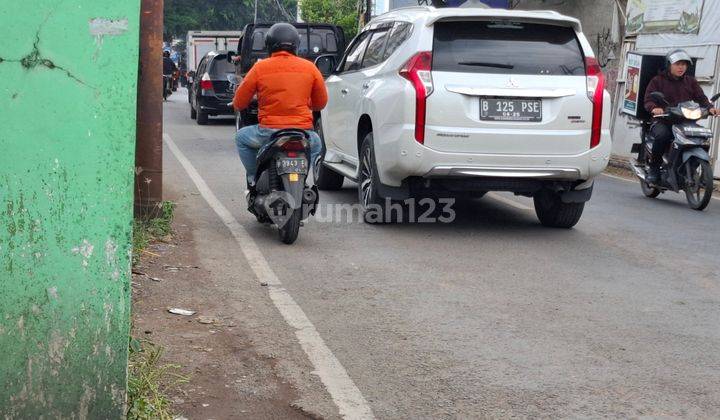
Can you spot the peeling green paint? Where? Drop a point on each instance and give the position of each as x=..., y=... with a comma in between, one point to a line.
x=67, y=143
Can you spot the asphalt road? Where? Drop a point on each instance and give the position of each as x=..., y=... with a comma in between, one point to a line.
x=489, y=316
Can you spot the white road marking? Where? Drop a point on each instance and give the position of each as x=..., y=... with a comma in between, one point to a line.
x=340, y=386
x=509, y=202
x=714, y=197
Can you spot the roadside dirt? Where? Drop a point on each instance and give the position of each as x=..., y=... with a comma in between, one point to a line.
x=229, y=379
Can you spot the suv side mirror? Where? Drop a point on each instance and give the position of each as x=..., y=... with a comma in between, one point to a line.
x=658, y=97
x=326, y=64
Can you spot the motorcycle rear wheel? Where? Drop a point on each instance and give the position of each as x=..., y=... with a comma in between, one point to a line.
x=289, y=232
x=698, y=191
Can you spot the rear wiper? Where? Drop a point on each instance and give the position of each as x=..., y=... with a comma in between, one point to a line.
x=486, y=64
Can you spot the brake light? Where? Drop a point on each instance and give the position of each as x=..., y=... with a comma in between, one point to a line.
x=206, y=83
x=595, y=92
x=418, y=70
x=293, y=146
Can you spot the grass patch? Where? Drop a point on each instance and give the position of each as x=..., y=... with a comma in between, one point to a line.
x=155, y=226
x=149, y=381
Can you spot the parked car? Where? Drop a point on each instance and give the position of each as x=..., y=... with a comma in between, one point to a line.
x=316, y=39
x=463, y=101
x=211, y=90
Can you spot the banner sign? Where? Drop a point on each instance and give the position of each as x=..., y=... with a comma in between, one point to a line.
x=663, y=16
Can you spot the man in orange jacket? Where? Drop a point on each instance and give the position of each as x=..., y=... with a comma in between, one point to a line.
x=288, y=89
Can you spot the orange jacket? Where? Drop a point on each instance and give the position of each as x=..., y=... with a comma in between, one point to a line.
x=288, y=88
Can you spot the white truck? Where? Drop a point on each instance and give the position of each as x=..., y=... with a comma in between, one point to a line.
x=200, y=43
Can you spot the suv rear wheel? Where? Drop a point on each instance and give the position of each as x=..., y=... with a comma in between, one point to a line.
x=374, y=206
x=552, y=212
x=202, y=117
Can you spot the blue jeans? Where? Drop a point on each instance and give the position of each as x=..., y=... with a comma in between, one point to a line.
x=250, y=139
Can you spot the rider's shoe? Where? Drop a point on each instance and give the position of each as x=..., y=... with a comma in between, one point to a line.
x=250, y=194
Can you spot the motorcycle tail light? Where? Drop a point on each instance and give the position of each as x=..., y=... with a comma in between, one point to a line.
x=293, y=146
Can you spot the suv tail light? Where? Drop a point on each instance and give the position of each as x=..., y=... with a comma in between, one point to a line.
x=418, y=70
x=595, y=92
x=206, y=84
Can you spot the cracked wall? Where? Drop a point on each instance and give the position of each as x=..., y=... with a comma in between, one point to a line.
x=68, y=80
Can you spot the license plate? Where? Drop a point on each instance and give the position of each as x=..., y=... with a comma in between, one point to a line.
x=292, y=166
x=511, y=110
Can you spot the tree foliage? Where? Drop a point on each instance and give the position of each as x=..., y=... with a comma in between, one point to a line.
x=343, y=13
x=182, y=16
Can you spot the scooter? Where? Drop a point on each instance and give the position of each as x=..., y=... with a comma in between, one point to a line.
x=280, y=195
x=167, y=87
x=686, y=165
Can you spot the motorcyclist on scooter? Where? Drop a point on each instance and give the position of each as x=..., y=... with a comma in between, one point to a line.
x=288, y=89
x=169, y=66
x=677, y=87
x=169, y=69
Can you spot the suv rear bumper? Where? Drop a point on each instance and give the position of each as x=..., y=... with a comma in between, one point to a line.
x=215, y=106
x=407, y=168
x=404, y=158
x=479, y=171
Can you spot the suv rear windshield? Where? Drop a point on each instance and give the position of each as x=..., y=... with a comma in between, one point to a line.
x=507, y=48
x=221, y=67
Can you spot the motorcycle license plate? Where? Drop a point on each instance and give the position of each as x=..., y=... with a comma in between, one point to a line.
x=292, y=166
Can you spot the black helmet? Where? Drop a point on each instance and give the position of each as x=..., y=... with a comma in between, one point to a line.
x=678, y=55
x=282, y=37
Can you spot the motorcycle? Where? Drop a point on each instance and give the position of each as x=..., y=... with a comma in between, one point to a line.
x=175, y=80
x=280, y=195
x=686, y=165
x=167, y=86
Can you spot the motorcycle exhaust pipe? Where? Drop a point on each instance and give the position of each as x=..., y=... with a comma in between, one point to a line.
x=639, y=171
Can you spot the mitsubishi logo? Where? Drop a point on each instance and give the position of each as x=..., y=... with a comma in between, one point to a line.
x=512, y=83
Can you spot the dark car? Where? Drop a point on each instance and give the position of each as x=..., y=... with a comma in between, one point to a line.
x=211, y=90
x=316, y=39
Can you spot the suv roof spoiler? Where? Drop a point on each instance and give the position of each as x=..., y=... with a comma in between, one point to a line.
x=543, y=16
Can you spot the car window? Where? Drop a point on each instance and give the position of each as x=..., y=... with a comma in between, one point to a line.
x=375, y=48
x=324, y=39
x=201, y=66
x=331, y=42
x=258, y=40
x=220, y=67
x=318, y=42
x=354, y=56
x=507, y=48
x=400, y=33
x=303, y=47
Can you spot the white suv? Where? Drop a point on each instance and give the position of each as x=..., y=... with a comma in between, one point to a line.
x=461, y=101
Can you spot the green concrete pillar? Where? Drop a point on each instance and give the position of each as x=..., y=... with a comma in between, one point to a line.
x=68, y=77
